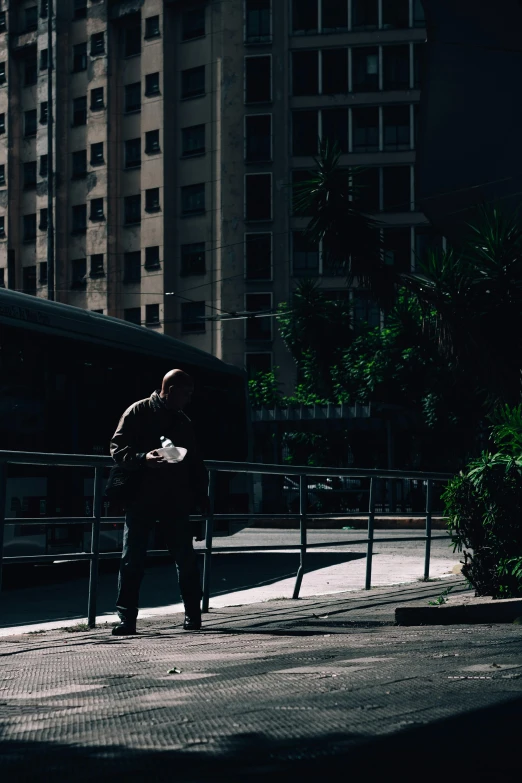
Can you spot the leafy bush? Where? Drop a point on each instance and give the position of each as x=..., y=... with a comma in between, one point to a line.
x=484, y=510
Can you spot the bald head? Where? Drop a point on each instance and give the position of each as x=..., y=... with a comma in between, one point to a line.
x=176, y=389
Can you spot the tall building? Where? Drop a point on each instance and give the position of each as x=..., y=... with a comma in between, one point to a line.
x=179, y=127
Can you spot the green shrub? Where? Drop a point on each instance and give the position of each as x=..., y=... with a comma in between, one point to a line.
x=484, y=510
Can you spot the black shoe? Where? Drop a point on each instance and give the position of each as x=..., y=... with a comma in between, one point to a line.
x=192, y=622
x=124, y=629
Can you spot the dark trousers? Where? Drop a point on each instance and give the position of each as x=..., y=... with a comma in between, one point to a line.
x=178, y=534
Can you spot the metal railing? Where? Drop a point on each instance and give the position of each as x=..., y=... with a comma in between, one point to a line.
x=99, y=463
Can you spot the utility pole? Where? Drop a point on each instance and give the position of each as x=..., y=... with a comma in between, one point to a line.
x=50, y=162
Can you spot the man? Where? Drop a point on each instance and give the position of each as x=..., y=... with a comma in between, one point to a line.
x=163, y=491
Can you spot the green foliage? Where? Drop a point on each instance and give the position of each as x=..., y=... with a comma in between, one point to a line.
x=307, y=448
x=506, y=431
x=484, y=507
x=263, y=389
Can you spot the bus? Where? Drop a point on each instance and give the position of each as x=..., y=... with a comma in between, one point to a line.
x=66, y=376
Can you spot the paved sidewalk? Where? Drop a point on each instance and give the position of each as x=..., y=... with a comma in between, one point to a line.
x=325, y=685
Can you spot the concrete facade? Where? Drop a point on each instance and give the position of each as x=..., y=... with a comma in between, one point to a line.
x=179, y=128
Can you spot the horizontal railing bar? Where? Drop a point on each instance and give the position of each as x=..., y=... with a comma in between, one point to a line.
x=43, y=558
x=95, y=460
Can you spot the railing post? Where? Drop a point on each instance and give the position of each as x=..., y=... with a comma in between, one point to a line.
x=429, y=493
x=3, y=493
x=208, y=540
x=95, y=547
x=303, y=503
x=371, y=521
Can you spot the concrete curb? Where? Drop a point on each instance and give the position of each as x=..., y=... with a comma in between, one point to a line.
x=479, y=610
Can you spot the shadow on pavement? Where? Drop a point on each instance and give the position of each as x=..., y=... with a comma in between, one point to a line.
x=480, y=745
x=38, y=595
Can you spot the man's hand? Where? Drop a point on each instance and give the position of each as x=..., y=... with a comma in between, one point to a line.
x=153, y=459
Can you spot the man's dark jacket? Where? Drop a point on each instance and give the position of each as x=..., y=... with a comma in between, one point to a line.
x=173, y=487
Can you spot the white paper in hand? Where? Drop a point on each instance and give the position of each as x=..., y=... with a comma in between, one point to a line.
x=173, y=453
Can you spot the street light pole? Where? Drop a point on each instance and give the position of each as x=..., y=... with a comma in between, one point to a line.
x=50, y=163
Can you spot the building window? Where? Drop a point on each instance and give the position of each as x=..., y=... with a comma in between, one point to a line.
x=29, y=280
x=305, y=72
x=365, y=129
x=152, y=27
x=193, y=199
x=396, y=122
x=2, y=72
x=2, y=122
x=256, y=363
x=427, y=241
x=152, y=259
x=418, y=64
x=43, y=219
x=419, y=19
x=396, y=67
x=97, y=102
x=365, y=14
x=395, y=14
x=133, y=153
x=258, y=79
x=305, y=17
x=30, y=175
x=2, y=226
x=43, y=165
x=305, y=256
x=258, y=197
x=80, y=9
x=132, y=36
x=43, y=272
x=258, y=328
x=305, y=132
x=257, y=21
x=397, y=248
x=3, y=25
x=193, y=259
x=31, y=19
x=44, y=59
x=152, y=315
x=132, y=267
x=258, y=138
x=2, y=277
x=152, y=142
x=258, y=256
x=193, y=140
x=79, y=219
x=80, y=111
x=152, y=85
x=334, y=16
x=97, y=44
x=30, y=70
x=97, y=269
x=193, y=82
x=97, y=154
x=367, y=189
x=43, y=113
x=152, y=200
x=193, y=317
x=97, y=209
x=2, y=174
x=132, y=315
x=132, y=97
x=365, y=69
x=43, y=9
x=80, y=57
x=79, y=272
x=132, y=209
x=365, y=309
x=335, y=127
x=79, y=164
x=30, y=123
x=335, y=72
x=29, y=227
x=396, y=188
x=192, y=24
